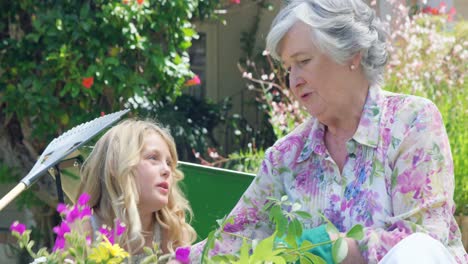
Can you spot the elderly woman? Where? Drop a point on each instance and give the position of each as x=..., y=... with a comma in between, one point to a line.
x=365, y=156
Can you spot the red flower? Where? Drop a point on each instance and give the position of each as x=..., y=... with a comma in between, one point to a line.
x=140, y=2
x=194, y=81
x=87, y=82
x=235, y=2
x=427, y=9
x=430, y=10
x=103, y=113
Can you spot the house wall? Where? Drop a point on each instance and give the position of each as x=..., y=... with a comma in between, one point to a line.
x=223, y=53
x=462, y=8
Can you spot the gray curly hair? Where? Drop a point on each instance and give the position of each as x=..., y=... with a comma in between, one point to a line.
x=340, y=28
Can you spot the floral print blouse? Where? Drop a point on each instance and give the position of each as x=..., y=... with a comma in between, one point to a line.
x=397, y=179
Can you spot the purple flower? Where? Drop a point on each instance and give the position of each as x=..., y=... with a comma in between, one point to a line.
x=182, y=254
x=62, y=208
x=86, y=211
x=107, y=233
x=120, y=227
x=72, y=215
x=84, y=199
x=62, y=229
x=59, y=243
x=18, y=227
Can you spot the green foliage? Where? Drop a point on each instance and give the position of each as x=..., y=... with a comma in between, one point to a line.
x=192, y=122
x=281, y=246
x=430, y=61
x=64, y=63
x=124, y=48
x=247, y=160
x=268, y=79
x=8, y=174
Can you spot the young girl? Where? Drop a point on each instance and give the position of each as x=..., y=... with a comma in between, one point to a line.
x=131, y=176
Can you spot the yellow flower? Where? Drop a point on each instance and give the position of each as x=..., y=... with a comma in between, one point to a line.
x=105, y=252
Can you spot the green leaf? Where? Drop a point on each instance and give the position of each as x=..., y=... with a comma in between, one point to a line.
x=303, y=214
x=304, y=260
x=189, y=32
x=278, y=260
x=224, y=259
x=291, y=235
x=339, y=250
x=276, y=215
x=84, y=11
x=356, y=232
x=264, y=249
x=244, y=253
x=111, y=61
x=298, y=227
x=30, y=244
x=291, y=258
x=208, y=245
x=314, y=258
x=147, y=251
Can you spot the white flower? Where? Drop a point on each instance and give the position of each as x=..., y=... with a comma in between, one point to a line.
x=214, y=155
x=39, y=260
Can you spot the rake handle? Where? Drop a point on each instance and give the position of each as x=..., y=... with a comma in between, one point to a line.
x=20, y=187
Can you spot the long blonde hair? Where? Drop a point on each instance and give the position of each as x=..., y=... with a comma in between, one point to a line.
x=108, y=176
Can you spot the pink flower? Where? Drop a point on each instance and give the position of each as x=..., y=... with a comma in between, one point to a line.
x=18, y=227
x=234, y=2
x=451, y=14
x=194, y=81
x=182, y=254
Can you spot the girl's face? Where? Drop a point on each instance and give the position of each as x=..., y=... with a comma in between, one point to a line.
x=154, y=173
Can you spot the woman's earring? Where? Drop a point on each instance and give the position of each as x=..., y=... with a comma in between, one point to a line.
x=352, y=67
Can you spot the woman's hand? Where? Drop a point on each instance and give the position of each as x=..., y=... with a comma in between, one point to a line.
x=354, y=254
